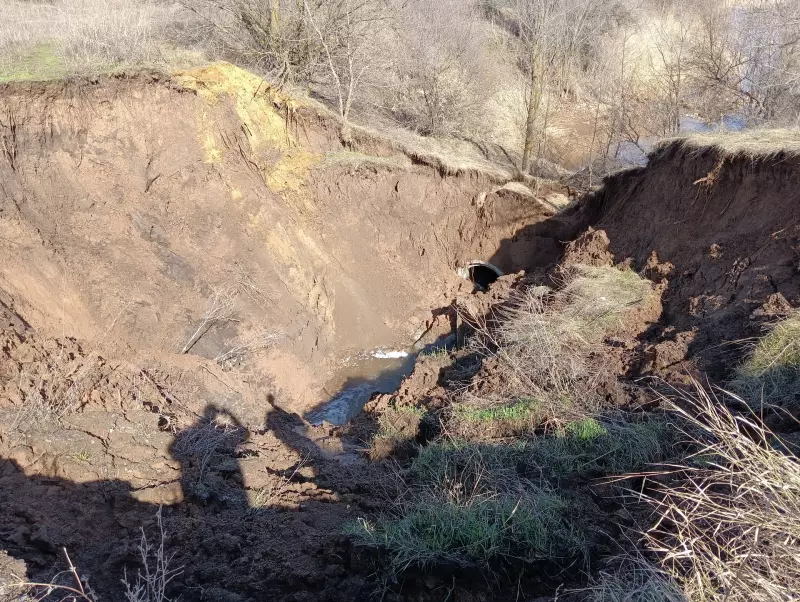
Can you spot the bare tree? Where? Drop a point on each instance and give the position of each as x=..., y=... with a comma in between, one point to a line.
x=672, y=34
x=350, y=32
x=747, y=60
x=445, y=75
x=552, y=36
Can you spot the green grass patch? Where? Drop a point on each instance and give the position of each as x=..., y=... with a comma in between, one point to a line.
x=41, y=62
x=583, y=448
x=585, y=430
x=591, y=448
x=478, y=531
x=519, y=411
x=434, y=353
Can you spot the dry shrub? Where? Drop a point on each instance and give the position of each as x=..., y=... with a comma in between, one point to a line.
x=549, y=343
x=54, y=389
x=150, y=584
x=731, y=532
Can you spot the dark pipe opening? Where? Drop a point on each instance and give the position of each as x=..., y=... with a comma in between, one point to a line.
x=482, y=275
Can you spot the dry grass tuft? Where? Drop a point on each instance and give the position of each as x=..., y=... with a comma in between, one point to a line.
x=633, y=580
x=448, y=156
x=751, y=143
x=771, y=374
x=731, y=533
x=548, y=341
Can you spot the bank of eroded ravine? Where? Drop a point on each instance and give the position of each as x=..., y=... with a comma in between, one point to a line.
x=188, y=262
x=206, y=213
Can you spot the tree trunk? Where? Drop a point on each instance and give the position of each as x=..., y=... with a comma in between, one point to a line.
x=274, y=21
x=533, y=109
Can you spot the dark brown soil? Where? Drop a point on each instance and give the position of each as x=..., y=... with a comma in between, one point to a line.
x=724, y=246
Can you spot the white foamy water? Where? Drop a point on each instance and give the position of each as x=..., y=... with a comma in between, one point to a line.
x=389, y=355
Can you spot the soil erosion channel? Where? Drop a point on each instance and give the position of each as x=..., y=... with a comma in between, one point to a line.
x=206, y=215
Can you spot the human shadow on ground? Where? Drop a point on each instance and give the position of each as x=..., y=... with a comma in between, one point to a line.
x=281, y=540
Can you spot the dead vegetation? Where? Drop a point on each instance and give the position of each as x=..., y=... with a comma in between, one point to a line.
x=150, y=584
x=548, y=343
x=517, y=80
x=44, y=40
x=731, y=531
x=753, y=143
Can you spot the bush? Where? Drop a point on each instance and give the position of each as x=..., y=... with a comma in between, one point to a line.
x=549, y=343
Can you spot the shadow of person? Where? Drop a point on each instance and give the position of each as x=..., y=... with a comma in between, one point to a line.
x=207, y=452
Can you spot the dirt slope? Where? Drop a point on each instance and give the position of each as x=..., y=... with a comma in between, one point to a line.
x=723, y=229
x=134, y=208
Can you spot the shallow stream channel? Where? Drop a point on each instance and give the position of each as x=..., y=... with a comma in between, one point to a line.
x=364, y=375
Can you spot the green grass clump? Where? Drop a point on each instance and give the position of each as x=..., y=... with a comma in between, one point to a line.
x=771, y=374
x=486, y=466
x=41, y=62
x=477, y=531
x=582, y=448
x=779, y=348
x=435, y=353
x=585, y=429
x=588, y=447
x=519, y=411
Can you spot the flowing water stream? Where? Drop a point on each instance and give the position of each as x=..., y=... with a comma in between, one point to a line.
x=362, y=376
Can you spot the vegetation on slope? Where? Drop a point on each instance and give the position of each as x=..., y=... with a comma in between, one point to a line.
x=508, y=484
x=771, y=374
x=521, y=80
